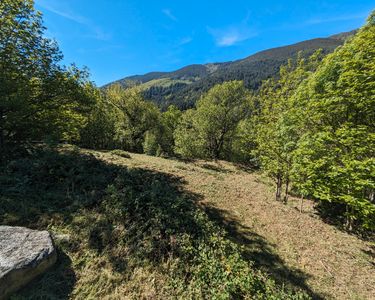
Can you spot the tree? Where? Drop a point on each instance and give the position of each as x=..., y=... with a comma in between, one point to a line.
x=39, y=99
x=277, y=123
x=100, y=129
x=137, y=116
x=335, y=158
x=169, y=120
x=213, y=124
x=188, y=141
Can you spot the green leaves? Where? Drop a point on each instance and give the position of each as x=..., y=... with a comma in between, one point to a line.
x=122, y=119
x=210, y=130
x=39, y=99
x=315, y=126
x=335, y=156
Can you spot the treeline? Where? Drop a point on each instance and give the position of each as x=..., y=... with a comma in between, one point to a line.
x=312, y=130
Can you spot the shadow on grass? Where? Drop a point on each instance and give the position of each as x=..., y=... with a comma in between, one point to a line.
x=132, y=217
x=56, y=283
x=258, y=250
x=216, y=168
x=333, y=214
x=370, y=252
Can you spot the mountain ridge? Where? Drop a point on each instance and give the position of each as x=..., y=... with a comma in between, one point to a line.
x=184, y=86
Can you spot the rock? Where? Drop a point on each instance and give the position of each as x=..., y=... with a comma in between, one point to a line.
x=24, y=254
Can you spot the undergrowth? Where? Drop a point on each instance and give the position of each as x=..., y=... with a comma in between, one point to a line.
x=124, y=233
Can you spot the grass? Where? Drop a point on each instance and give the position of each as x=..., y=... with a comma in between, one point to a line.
x=141, y=227
x=164, y=82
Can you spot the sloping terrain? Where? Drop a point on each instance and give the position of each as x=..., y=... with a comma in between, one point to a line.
x=296, y=249
x=184, y=86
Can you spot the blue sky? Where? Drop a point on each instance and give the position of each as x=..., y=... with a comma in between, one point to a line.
x=118, y=38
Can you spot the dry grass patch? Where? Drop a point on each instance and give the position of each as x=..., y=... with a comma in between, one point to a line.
x=296, y=248
x=129, y=226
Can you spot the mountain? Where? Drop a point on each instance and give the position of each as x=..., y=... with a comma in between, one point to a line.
x=184, y=86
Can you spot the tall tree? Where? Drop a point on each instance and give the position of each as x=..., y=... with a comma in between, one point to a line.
x=100, y=129
x=38, y=97
x=137, y=116
x=188, y=140
x=170, y=120
x=215, y=120
x=276, y=123
x=336, y=155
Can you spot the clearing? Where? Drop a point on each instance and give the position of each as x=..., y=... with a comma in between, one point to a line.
x=296, y=249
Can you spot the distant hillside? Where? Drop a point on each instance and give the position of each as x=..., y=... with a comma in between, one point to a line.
x=184, y=86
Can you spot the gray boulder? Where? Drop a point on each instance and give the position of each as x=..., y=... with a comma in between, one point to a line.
x=24, y=254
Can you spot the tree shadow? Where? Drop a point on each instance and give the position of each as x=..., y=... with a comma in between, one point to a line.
x=248, y=168
x=370, y=252
x=57, y=283
x=130, y=216
x=333, y=214
x=258, y=250
x=216, y=168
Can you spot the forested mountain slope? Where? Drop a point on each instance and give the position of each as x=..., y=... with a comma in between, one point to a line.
x=184, y=86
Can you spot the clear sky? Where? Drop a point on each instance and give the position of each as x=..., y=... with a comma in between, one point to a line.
x=118, y=38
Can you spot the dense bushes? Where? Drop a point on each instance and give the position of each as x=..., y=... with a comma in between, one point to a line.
x=122, y=119
x=209, y=130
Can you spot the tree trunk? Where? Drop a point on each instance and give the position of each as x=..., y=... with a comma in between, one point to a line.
x=349, y=219
x=286, y=191
x=278, y=187
x=1, y=141
x=219, y=144
x=301, y=205
x=216, y=153
x=371, y=195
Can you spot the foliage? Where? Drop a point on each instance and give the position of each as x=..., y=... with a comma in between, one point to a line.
x=39, y=99
x=150, y=144
x=276, y=123
x=244, y=144
x=100, y=129
x=187, y=139
x=335, y=161
x=134, y=117
x=170, y=121
x=160, y=140
x=213, y=124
